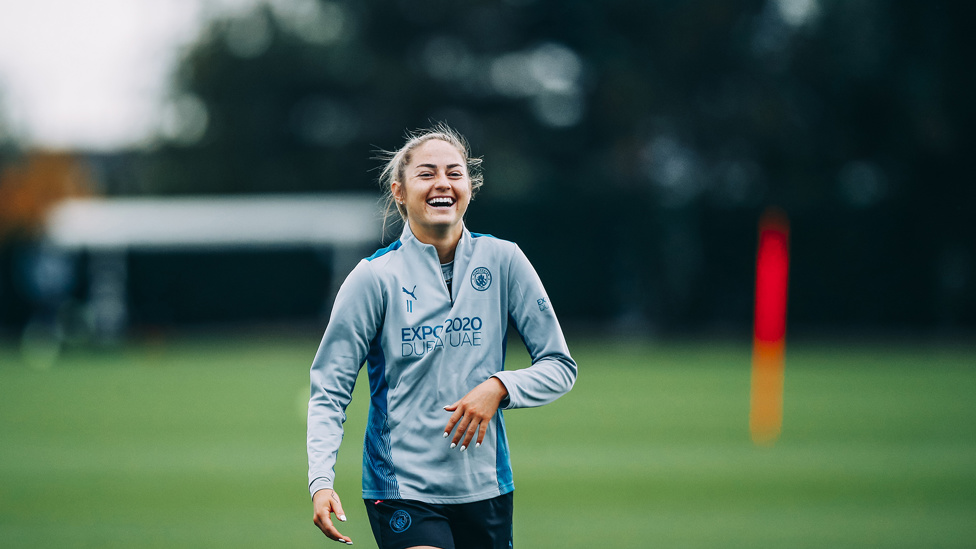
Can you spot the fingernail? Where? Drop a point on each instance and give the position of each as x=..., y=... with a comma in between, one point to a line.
x=445, y=434
x=477, y=445
x=342, y=518
x=453, y=444
x=463, y=448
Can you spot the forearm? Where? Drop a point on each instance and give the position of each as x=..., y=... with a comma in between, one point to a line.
x=543, y=382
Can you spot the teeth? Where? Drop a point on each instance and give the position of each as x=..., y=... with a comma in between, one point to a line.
x=441, y=201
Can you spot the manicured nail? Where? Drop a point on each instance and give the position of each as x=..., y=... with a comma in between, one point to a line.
x=477, y=445
x=463, y=448
x=453, y=444
x=342, y=518
x=445, y=434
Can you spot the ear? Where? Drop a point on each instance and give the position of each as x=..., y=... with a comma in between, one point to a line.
x=397, y=190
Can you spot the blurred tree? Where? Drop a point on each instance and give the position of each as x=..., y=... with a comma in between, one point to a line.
x=31, y=184
x=630, y=146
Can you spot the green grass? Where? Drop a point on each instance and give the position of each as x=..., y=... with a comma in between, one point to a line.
x=200, y=443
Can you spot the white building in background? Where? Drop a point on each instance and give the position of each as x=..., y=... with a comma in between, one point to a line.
x=349, y=226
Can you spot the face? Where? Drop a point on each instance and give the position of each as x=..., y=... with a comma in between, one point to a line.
x=436, y=189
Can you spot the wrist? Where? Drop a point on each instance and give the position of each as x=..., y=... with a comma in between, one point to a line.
x=499, y=388
x=323, y=493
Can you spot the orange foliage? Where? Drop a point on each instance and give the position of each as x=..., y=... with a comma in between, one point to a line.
x=29, y=188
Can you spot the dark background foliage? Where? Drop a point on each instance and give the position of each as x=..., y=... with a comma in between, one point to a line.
x=630, y=147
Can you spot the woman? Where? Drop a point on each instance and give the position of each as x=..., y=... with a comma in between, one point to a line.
x=429, y=316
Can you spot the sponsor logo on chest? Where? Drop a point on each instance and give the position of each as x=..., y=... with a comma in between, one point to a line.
x=456, y=332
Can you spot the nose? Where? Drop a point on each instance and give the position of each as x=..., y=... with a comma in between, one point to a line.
x=442, y=182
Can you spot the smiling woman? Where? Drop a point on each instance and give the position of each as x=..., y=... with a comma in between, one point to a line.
x=444, y=138
x=434, y=193
x=434, y=346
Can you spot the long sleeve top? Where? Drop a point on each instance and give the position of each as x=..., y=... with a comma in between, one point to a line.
x=425, y=345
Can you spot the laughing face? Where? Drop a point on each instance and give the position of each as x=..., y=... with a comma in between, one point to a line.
x=436, y=190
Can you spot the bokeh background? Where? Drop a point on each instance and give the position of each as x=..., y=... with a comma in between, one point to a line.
x=630, y=149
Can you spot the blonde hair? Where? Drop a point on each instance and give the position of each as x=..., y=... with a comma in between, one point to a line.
x=396, y=162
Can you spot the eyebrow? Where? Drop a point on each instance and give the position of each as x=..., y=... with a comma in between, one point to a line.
x=434, y=166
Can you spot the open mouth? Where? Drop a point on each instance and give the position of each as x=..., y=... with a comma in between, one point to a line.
x=440, y=202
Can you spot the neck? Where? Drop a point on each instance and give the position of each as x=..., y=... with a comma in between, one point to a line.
x=445, y=242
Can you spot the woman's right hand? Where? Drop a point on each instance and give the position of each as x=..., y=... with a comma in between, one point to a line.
x=325, y=502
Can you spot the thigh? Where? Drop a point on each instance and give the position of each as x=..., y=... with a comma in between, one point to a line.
x=400, y=523
x=483, y=524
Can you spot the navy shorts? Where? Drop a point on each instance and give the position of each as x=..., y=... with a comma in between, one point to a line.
x=402, y=523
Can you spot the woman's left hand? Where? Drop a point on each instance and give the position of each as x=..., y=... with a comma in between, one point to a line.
x=473, y=412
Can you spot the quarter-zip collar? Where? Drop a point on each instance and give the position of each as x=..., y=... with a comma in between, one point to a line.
x=462, y=256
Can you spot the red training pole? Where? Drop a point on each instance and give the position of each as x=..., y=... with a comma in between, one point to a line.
x=769, y=330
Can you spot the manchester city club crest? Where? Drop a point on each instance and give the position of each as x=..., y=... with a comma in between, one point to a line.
x=400, y=521
x=480, y=279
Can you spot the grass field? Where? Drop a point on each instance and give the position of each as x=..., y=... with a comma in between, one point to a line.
x=201, y=444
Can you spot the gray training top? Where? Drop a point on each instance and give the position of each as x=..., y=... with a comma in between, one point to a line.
x=425, y=347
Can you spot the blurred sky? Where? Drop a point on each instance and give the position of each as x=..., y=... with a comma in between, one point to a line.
x=93, y=74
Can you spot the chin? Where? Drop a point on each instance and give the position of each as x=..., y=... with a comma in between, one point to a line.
x=439, y=223
x=444, y=218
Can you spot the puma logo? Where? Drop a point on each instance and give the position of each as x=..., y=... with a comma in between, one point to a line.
x=410, y=292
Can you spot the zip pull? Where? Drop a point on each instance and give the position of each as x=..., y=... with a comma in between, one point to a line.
x=447, y=273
